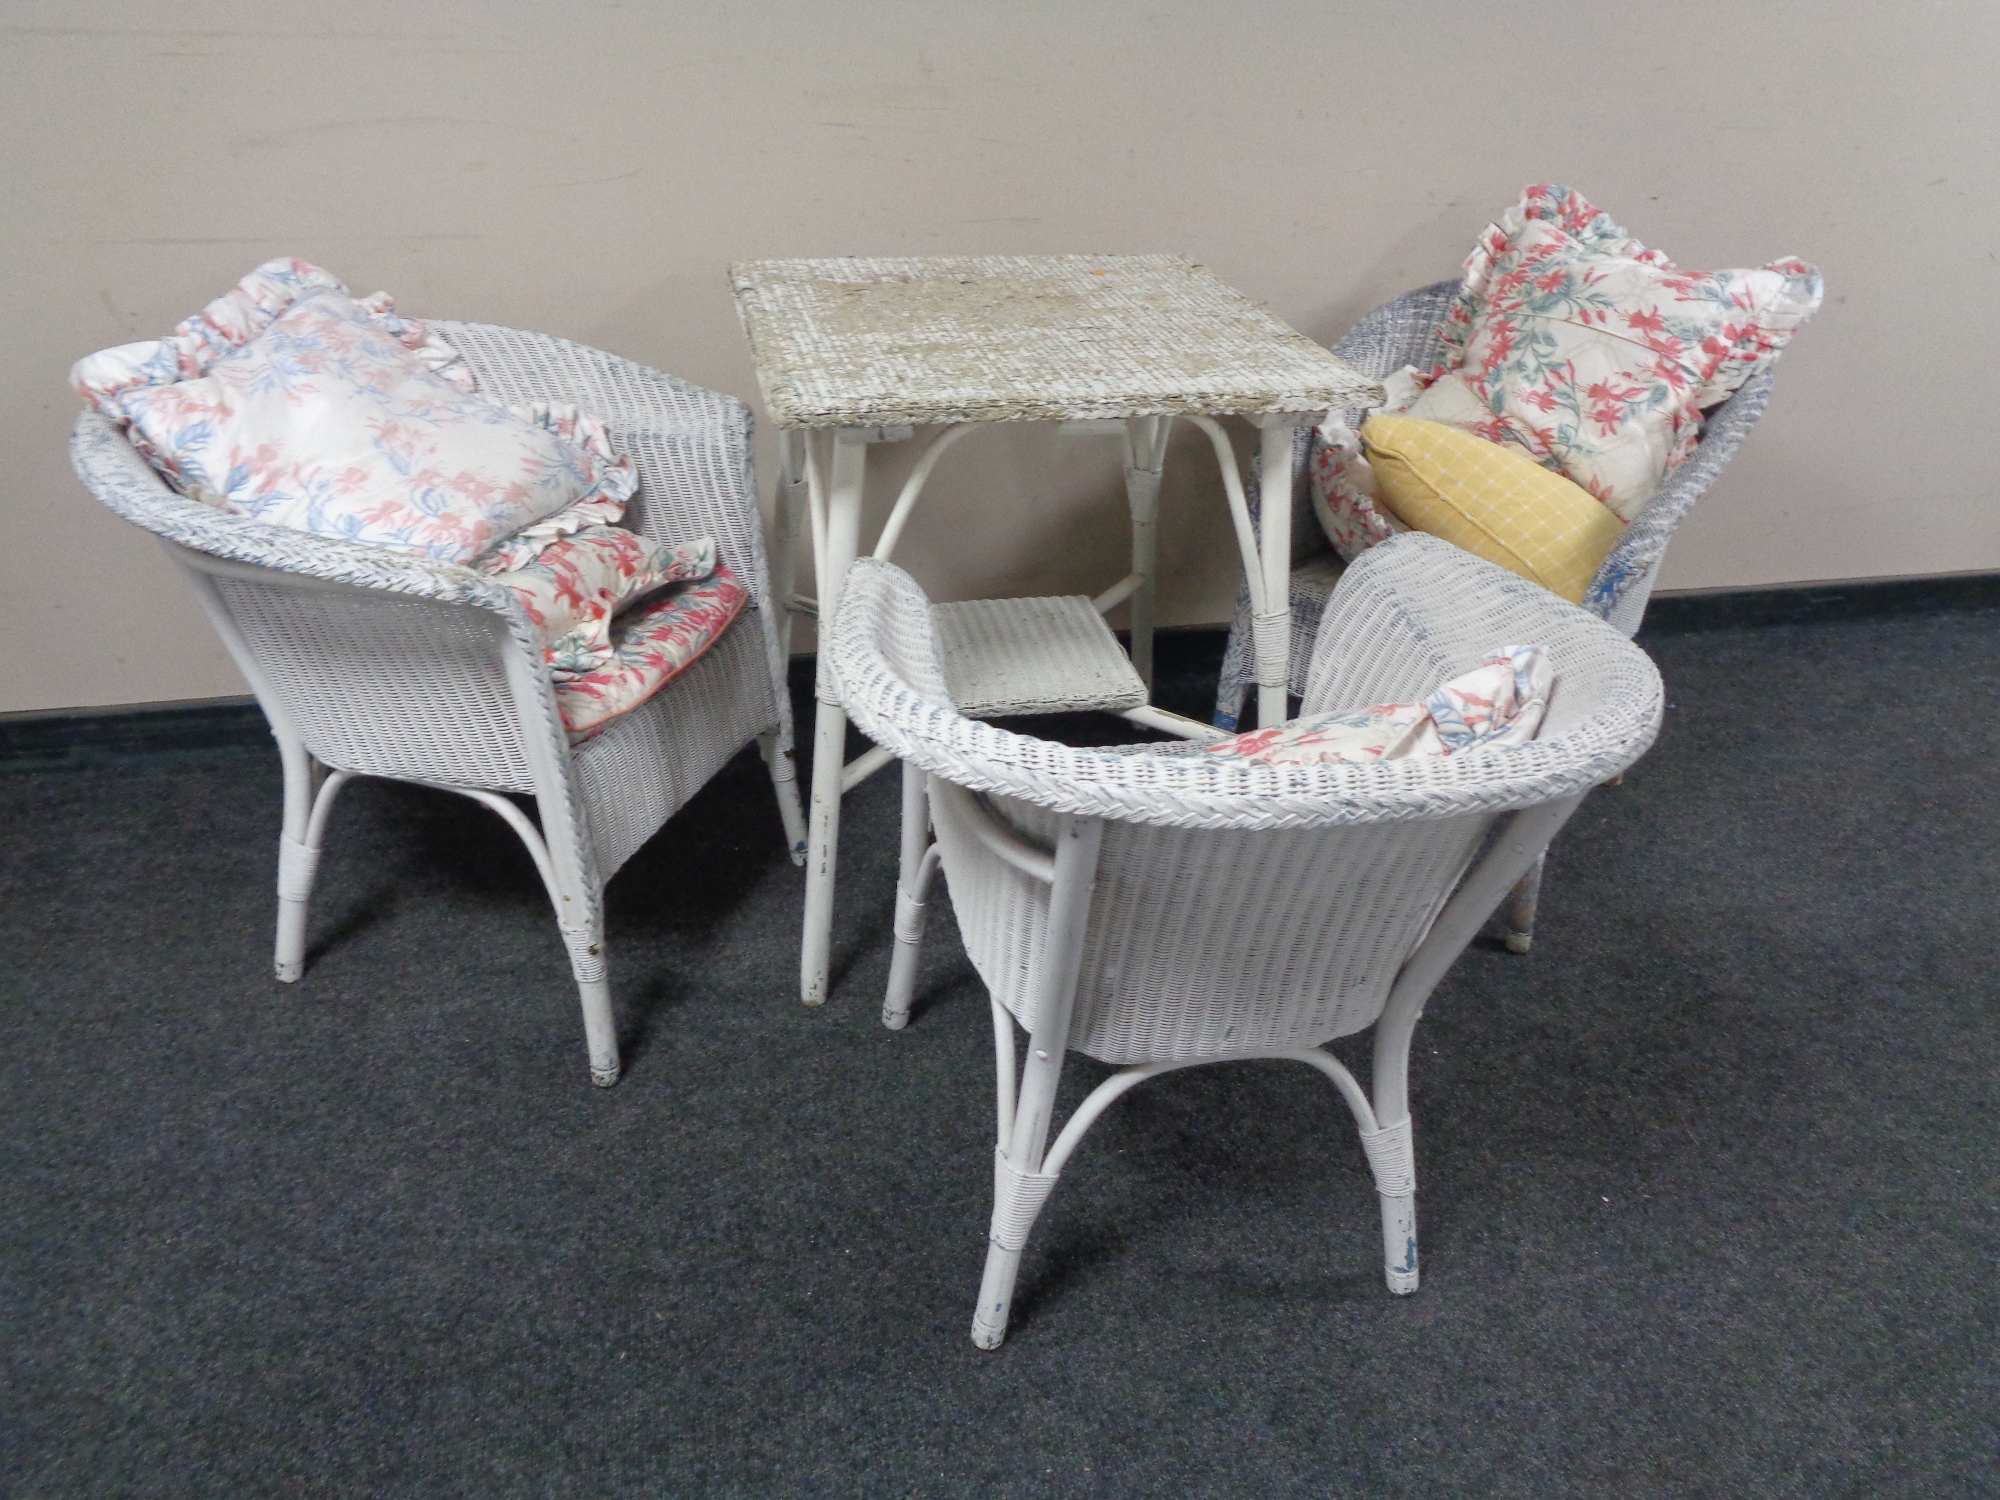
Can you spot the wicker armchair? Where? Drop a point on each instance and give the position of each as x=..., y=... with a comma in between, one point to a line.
x=1157, y=908
x=371, y=663
x=1407, y=331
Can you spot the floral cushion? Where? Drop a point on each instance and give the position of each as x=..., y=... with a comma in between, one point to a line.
x=573, y=586
x=651, y=646
x=1595, y=355
x=290, y=401
x=1499, y=702
x=1576, y=344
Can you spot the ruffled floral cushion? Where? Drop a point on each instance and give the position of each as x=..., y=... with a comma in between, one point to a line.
x=1595, y=355
x=1499, y=702
x=290, y=401
x=1574, y=343
x=651, y=646
x=573, y=586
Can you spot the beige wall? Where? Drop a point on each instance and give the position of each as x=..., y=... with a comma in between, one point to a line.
x=589, y=169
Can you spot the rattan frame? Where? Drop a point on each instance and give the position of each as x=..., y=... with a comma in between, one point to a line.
x=372, y=663
x=1158, y=908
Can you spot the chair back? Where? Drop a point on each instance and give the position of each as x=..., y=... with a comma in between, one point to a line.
x=1409, y=330
x=1242, y=909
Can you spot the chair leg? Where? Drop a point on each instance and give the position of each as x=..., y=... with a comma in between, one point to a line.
x=593, y=984
x=1521, y=904
x=913, y=880
x=776, y=748
x=1392, y=1159
x=569, y=874
x=309, y=794
x=1020, y=1188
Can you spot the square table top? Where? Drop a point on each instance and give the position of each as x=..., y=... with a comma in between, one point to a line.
x=999, y=338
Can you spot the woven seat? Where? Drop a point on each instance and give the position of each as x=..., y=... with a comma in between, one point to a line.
x=369, y=662
x=1408, y=330
x=1007, y=657
x=1162, y=908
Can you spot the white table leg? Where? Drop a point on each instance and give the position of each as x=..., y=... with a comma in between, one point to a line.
x=791, y=509
x=1145, y=448
x=843, y=535
x=1274, y=539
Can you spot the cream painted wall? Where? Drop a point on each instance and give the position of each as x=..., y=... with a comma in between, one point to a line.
x=589, y=169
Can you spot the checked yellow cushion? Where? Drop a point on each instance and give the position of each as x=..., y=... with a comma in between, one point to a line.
x=1494, y=501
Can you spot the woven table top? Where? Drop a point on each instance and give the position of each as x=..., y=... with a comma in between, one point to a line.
x=1009, y=338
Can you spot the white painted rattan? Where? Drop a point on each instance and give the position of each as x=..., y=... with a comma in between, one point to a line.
x=1033, y=656
x=854, y=352
x=995, y=338
x=1160, y=908
x=367, y=662
x=1408, y=331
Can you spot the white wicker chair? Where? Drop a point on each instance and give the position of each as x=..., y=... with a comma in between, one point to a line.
x=371, y=663
x=1408, y=330
x=1157, y=908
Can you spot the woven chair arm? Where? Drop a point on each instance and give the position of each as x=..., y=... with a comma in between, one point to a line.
x=884, y=623
x=113, y=470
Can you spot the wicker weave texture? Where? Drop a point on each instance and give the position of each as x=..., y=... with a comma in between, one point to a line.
x=1033, y=656
x=384, y=684
x=881, y=342
x=377, y=663
x=885, y=659
x=1245, y=909
x=1408, y=330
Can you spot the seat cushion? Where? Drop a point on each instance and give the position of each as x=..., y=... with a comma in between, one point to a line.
x=1492, y=500
x=574, y=586
x=290, y=401
x=651, y=645
x=1498, y=703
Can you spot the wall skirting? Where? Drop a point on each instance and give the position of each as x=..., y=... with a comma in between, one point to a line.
x=119, y=736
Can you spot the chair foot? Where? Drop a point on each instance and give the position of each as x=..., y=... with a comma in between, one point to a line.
x=289, y=973
x=996, y=1296
x=1521, y=904
x=604, y=1078
x=1399, y=1242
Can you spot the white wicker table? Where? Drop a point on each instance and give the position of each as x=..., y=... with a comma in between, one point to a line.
x=851, y=352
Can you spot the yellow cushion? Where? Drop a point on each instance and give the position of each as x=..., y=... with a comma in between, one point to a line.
x=1494, y=501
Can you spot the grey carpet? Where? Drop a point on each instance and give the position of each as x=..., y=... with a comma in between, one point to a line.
x=1710, y=1182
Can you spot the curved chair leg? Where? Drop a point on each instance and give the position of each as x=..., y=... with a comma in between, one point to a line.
x=1392, y=1158
x=1521, y=904
x=776, y=748
x=571, y=883
x=1020, y=1187
x=913, y=880
x=1023, y=1175
x=309, y=793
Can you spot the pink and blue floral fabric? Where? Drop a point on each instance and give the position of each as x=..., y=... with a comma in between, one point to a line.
x=573, y=587
x=1575, y=343
x=1594, y=354
x=651, y=646
x=1500, y=702
x=290, y=401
